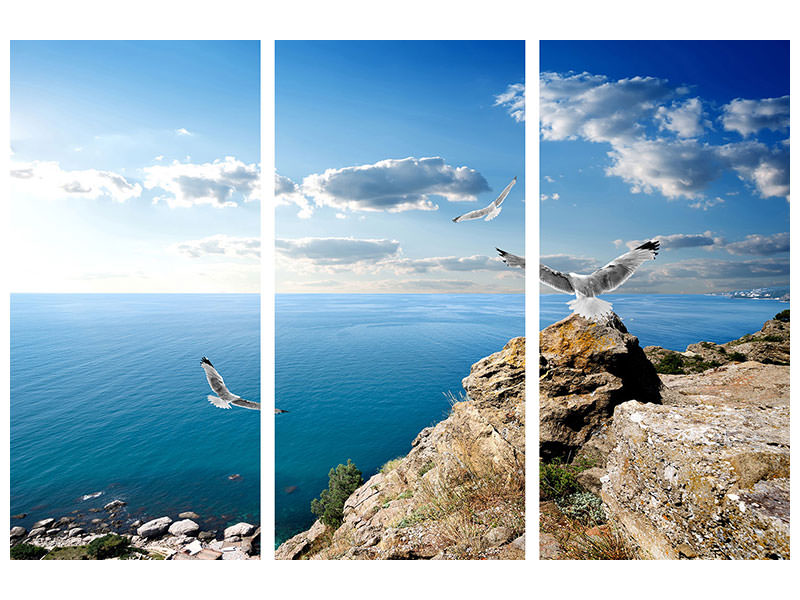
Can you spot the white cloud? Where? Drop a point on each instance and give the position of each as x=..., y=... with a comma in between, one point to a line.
x=394, y=185
x=446, y=263
x=212, y=183
x=761, y=245
x=683, y=118
x=596, y=109
x=706, y=203
x=337, y=252
x=183, y=131
x=555, y=196
x=513, y=100
x=750, y=116
x=706, y=269
x=568, y=263
x=767, y=169
x=288, y=192
x=47, y=179
x=221, y=245
x=159, y=157
x=674, y=168
x=549, y=179
x=682, y=240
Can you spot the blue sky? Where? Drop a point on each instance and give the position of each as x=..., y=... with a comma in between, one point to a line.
x=685, y=141
x=135, y=166
x=379, y=145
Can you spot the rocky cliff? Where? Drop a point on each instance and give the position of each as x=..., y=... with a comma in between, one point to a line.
x=701, y=471
x=460, y=491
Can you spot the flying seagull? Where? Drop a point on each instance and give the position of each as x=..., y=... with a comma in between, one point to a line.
x=605, y=279
x=512, y=260
x=491, y=211
x=223, y=398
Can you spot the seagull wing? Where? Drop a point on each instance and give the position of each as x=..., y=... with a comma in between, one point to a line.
x=218, y=402
x=492, y=210
x=619, y=270
x=512, y=260
x=555, y=279
x=215, y=381
x=280, y=410
x=246, y=404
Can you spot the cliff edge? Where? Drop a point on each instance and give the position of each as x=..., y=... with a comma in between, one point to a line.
x=460, y=491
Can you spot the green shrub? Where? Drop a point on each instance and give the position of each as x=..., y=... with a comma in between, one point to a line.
x=425, y=468
x=737, y=357
x=583, y=506
x=671, y=364
x=342, y=481
x=391, y=465
x=108, y=546
x=783, y=316
x=27, y=552
x=557, y=480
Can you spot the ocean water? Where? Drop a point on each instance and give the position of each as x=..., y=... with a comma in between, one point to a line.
x=107, y=395
x=362, y=374
x=675, y=321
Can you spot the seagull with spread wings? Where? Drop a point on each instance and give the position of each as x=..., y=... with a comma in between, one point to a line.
x=223, y=398
x=512, y=260
x=605, y=279
x=491, y=211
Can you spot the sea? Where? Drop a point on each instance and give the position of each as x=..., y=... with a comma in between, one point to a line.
x=108, y=401
x=361, y=375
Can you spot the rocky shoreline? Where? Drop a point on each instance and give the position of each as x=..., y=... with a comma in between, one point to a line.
x=459, y=493
x=163, y=538
x=685, y=454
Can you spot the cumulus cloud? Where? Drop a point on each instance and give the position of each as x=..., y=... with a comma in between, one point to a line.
x=288, y=192
x=596, y=109
x=183, y=131
x=47, y=179
x=394, y=185
x=722, y=269
x=674, y=168
x=751, y=116
x=211, y=183
x=682, y=240
x=761, y=245
x=766, y=169
x=554, y=196
x=513, y=100
x=706, y=203
x=337, y=251
x=221, y=244
x=683, y=118
x=446, y=263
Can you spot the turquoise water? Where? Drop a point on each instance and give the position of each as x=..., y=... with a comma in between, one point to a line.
x=107, y=395
x=362, y=374
x=675, y=321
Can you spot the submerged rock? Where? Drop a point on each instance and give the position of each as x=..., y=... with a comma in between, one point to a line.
x=586, y=369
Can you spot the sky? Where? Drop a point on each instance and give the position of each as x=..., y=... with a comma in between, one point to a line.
x=135, y=166
x=684, y=141
x=379, y=145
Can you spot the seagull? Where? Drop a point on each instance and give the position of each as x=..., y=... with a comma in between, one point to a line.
x=280, y=410
x=490, y=211
x=223, y=398
x=605, y=279
x=512, y=260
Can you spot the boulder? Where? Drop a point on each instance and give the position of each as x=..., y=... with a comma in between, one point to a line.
x=76, y=531
x=498, y=536
x=114, y=505
x=54, y=531
x=189, y=515
x=37, y=531
x=18, y=532
x=240, y=530
x=206, y=535
x=154, y=528
x=586, y=369
x=63, y=521
x=19, y=516
x=701, y=480
x=185, y=527
x=43, y=523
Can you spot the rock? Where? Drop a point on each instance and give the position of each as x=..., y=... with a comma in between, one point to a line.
x=206, y=535
x=208, y=554
x=136, y=523
x=549, y=548
x=64, y=521
x=54, y=531
x=519, y=543
x=19, y=516
x=703, y=480
x=481, y=442
x=154, y=528
x=498, y=536
x=114, y=505
x=37, y=531
x=586, y=369
x=96, y=521
x=240, y=530
x=18, y=532
x=193, y=548
x=185, y=527
x=589, y=479
x=189, y=515
x=46, y=523
x=75, y=531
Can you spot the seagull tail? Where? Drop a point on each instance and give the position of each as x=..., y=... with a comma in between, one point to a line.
x=218, y=402
x=590, y=308
x=495, y=211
